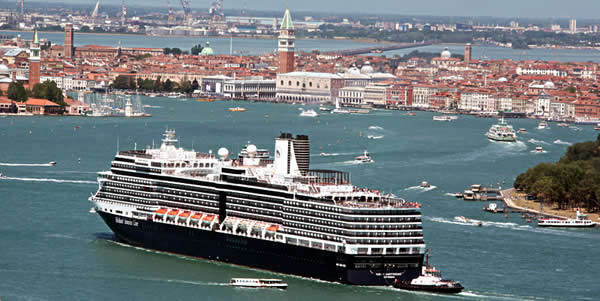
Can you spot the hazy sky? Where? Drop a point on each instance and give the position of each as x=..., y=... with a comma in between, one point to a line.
x=505, y=8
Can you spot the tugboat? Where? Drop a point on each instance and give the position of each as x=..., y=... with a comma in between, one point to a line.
x=430, y=280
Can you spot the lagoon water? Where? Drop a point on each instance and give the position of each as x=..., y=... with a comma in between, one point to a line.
x=54, y=249
x=248, y=46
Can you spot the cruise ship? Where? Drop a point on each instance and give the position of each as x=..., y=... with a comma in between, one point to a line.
x=267, y=213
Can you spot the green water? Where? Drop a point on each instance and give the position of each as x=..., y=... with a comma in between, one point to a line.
x=54, y=249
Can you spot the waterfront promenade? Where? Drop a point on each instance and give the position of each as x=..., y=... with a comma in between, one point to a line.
x=516, y=200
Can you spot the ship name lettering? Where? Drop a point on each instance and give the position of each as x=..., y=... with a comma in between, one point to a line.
x=127, y=222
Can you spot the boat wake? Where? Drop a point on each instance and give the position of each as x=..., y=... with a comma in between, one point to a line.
x=537, y=141
x=375, y=127
x=26, y=164
x=562, y=142
x=511, y=226
x=423, y=189
x=49, y=180
x=375, y=136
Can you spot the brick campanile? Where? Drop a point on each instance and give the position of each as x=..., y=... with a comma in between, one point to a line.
x=287, y=62
x=34, y=61
x=69, y=50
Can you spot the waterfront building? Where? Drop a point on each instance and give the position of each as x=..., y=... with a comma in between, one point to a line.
x=213, y=84
x=308, y=87
x=38, y=106
x=251, y=88
x=69, y=50
x=34, y=61
x=399, y=94
x=286, y=44
x=564, y=108
x=543, y=105
x=422, y=94
x=375, y=94
x=351, y=96
x=476, y=99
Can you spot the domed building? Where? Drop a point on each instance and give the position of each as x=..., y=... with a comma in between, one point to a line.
x=446, y=54
x=207, y=50
x=353, y=69
x=549, y=85
x=367, y=68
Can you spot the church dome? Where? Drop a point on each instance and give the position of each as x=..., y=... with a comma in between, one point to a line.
x=366, y=68
x=549, y=85
x=502, y=79
x=446, y=54
x=4, y=70
x=353, y=70
x=207, y=50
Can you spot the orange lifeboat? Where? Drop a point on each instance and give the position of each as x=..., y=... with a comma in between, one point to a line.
x=185, y=214
x=197, y=216
x=173, y=212
x=272, y=228
x=208, y=219
x=160, y=212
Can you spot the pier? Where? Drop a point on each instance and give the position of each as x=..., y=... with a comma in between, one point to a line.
x=380, y=49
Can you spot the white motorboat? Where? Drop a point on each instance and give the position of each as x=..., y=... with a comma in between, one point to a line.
x=538, y=149
x=425, y=184
x=309, y=113
x=444, y=118
x=324, y=109
x=258, y=283
x=502, y=132
x=375, y=136
x=364, y=158
x=522, y=131
x=563, y=125
x=580, y=221
x=52, y=163
x=465, y=220
x=325, y=154
x=542, y=125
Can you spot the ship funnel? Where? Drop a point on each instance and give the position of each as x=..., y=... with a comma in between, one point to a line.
x=292, y=155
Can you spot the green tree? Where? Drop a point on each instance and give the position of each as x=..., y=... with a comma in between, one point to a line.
x=16, y=91
x=48, y=90
x=195, y=85
x=196, y=49
x=123, y=82
x=168, y=85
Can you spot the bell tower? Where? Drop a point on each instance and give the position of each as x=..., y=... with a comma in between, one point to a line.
x=34, y=61
x=286, y=44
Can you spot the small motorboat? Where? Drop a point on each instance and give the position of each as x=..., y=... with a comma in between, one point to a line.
x=412, y=114
x=364, y=158
x=325, y=154
x=465, y=220
x=258, y=283
x=563, y=125
x=325, y=109
x=52, y=163
x=375, y=136
x=425, y=184
x=538, y=149
x=458, y=195
x=558, y=141
x=597, y=127
x=522, y=131
x=542, y=125
x=237, y=109
x=309, y=113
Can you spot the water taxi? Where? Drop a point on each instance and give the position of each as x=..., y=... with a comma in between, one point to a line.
x=538, y=149
x=542, y=125
x=52, y=163
x=364, y=158
x=237, y=109
x=579, y=222
x=444, y=118
x=522, y=131
x=203, y=99
x=309, y=113
x=425, y=184
x=258, y=283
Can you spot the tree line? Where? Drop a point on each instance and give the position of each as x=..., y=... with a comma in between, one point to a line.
x=46, y=90
x=123, y=82
x=573, y=181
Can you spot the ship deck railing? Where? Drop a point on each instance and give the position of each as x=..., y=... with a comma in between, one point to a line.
x=136, y=153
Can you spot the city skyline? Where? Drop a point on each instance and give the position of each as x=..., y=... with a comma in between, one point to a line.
x=507, y=8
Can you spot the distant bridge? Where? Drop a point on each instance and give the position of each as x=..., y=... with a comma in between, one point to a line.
x=380, y=49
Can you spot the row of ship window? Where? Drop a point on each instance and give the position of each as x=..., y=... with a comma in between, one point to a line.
x=353, y=234
x=131, y=180
x=344, y=210
x=126, y=166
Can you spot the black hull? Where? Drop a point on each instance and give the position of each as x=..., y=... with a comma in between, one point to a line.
x=431, y=288
x=264, y=254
